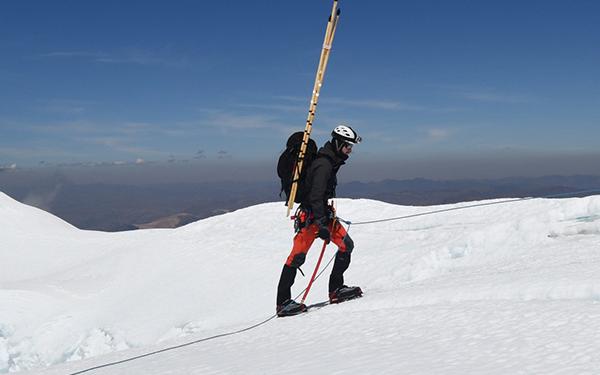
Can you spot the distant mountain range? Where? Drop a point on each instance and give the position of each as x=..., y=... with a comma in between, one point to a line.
x=126, y=207
x=424, y=192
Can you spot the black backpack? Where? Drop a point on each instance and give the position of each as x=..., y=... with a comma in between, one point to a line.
x=287, y=164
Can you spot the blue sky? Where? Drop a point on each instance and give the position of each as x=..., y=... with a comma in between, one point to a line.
x=426, y=81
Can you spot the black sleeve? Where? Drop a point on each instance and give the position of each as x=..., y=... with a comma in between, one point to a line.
x=320, y=176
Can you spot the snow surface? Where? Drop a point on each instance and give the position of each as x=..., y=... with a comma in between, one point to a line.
x=505, y=289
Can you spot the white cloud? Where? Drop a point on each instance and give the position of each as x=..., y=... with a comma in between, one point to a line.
x=240, y=122
x=277, y=107
x=494, y=97
x=35, y=152
x=136, y=56
x=438, y=134
x=74, y=54
x=290, y=98
x=389, y=105
x=232, y=122
x=10, y=167
x=63, y=106
x=124, y=145
x=487, y=95
x=63, y=128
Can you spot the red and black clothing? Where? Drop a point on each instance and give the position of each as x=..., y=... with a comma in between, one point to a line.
x=321, y=182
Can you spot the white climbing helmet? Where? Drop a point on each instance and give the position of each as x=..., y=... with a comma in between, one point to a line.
x=346, y=134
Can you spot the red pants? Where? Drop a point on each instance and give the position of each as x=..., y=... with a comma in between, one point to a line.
x=305, y=238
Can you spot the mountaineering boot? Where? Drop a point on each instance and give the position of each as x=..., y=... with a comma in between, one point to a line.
x=290, y=307
x=284, y=288
x=344, y=293
x=336, y=280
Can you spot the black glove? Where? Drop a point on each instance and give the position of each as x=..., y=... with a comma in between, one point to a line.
x=323, y=232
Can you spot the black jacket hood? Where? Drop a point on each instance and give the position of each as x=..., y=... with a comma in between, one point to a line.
x=329, y=151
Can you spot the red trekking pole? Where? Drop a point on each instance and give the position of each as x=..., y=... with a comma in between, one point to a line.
x=312, y=278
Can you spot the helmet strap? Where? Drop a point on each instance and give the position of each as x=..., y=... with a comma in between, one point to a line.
x=338, y=144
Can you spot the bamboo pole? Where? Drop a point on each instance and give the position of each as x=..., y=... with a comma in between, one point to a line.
x=324, y=58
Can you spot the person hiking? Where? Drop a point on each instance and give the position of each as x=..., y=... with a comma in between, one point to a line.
x=315, y=218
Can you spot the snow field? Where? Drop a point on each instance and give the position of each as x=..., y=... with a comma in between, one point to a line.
x=509, y=288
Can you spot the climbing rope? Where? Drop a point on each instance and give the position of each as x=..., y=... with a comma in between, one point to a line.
x=199, y=340
x=580, y=192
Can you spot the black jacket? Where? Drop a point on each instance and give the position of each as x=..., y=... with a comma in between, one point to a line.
x=321, y=180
